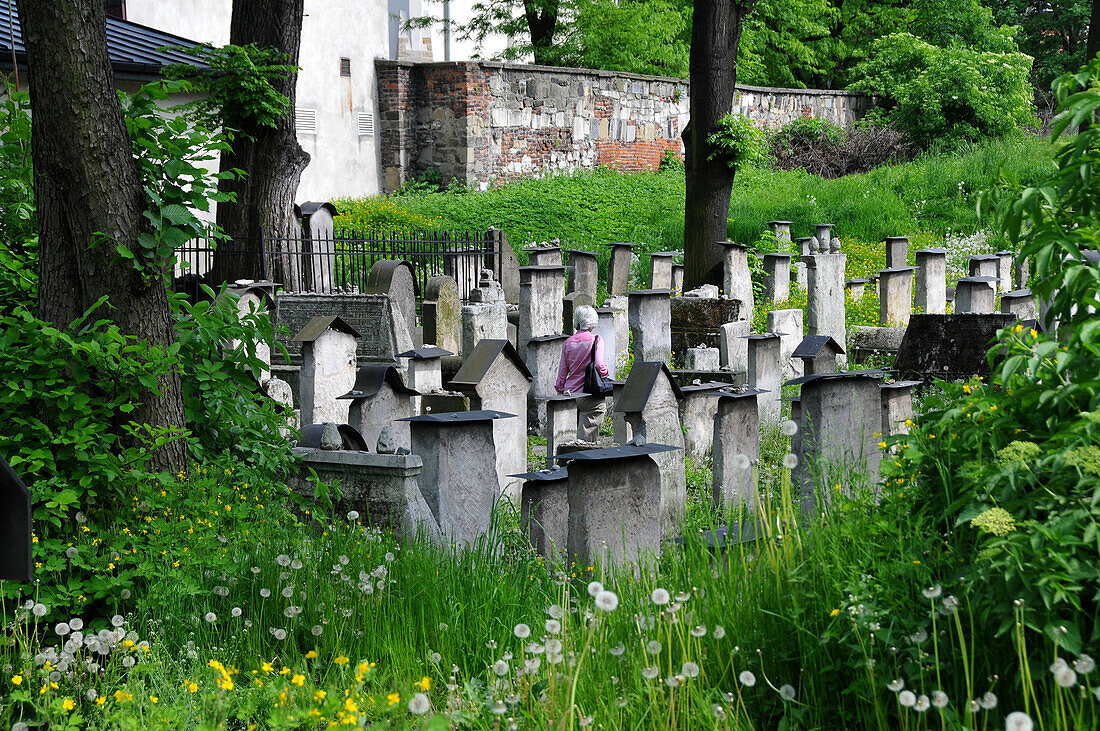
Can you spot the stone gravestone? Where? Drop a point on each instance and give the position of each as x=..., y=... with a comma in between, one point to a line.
x=615, y=504
x=897, y=251
x=855, y=288
x=826, y=244
x=1020, y=304
x=984, y=265
x=569, y=305
x=425, y=372
x=736, y=449
x=544, y=512
x=897, y=406
x=698, y=320
x=543, y=359
x=777, y=276
x=736, y=276
x=458, y=451
x=677, y=279
x=975, y=295
x=931, y=288
x=805, y=245
x=841, y=425
x=697, y=410
x=583, y=274
x=618, y=269
x=765, y=372
x=396, y=279
x=379, y=399
x=701, y=359
x=825, y=296
x=781, y=230
x=16, y=544
x=951, y=347
x=541, y=289
x=543, y=256
x=255, y=298
x=895, y=296
x=441, y=313
x=1004, y=270
x=818, y=354
x=483, y=321
x=612, y=329
x=382, y=330
x=328, y=369
x=504, y=264
x=650, y=404
x=494, y=377
x=733, y=348
x=787, y=324
x=314, y=271
x=650, y=312
x=660, y=269
x=561, y=424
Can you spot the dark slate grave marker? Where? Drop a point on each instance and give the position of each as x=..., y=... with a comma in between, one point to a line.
x=16, y=552
x=949, y=347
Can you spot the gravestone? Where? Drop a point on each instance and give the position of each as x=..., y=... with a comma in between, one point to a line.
x=897, y=251
x=444, y=402
x=781, y=230
x=650, y=324
x=895, y=296
x=483, y=321
x=379, y=399
x=441, y=314
x=697, y=410
x=825, y=296
x=543, y=256
x=488, y=289
x=255, y=298
x=701, y=359
x=16, y=539
x=733, y=348
x=1021, y=271
x=873, y=342
x=1020, y=304
x=618, y=269
x=931, y=286
x=736, y=276
x=612, y=329
x=583, y=274
x=650, y=404
x=328, y=369
x=787, y=324
x=314, y=270
x=660, y=269
x=504, y=264
x=382, y=330
x=544, y=511
x=677, y=279
x=736, y=449
x=777, y=277
x=569, y=305
x=698, y=320
x=806, y=245
x=561, y=424
x=983, y=265
x=397, y=280
x=819, y=354
x=615, y=505
x=951, y=347
x=543, y=360
x=541, y=289
x=494, y=378
x=841, y=425
x=765, y=372
x=897, y=406
x=975, y=295
x=823, y=234
x=425, y=372
x=458, y=451
x=855, y=288
x=1004, y=270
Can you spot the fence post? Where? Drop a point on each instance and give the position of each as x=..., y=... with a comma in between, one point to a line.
x=263, y=256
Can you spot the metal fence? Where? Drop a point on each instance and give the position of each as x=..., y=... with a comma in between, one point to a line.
x=343, y=262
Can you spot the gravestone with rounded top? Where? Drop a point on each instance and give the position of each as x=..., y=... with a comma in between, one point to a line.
x=396, y=279
x=441, y=313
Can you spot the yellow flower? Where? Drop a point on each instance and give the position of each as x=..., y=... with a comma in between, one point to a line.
x=192, y=686
x=319, y=696
x=154, y=699
x=425, y=684
x=298, y=680
x=267, y=668
x=1034, y=333
x=834, y=612
x=122, y=696
x=101, y=700
x=966, y=388
x=311, y=654
x=17, y=680
x=68, y=704
x=284, y=671
x=393, y=699
x=882, y=445
x=931, y=436
x=342, y=660
x=993, y=407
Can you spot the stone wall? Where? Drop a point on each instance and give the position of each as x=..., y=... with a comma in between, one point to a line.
x=482, y=122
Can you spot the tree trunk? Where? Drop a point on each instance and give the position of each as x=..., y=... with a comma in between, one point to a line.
x=271, y=157
x=542, y=20
x=715, y=35
x=1092, y=44
x=88, y=195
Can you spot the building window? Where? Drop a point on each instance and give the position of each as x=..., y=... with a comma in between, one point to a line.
x=305, y=121
x=116, y=8
x=366, y=124
x=345, y=67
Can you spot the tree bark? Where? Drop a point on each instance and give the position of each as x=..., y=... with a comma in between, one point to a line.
x=88, y=195
x=271, y=157
x=542, y=20
x=715, y=35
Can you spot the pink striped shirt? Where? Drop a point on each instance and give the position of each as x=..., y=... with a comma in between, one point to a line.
x=574, y=359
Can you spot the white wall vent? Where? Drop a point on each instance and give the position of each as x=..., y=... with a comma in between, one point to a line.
x=305, y=121
x=366, y=124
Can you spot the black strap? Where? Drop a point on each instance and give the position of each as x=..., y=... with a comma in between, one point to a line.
x=592, y=354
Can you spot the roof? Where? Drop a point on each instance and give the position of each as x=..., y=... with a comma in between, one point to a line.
x=369, y=380
x=623, y=452
x=639, y=385
x=481, y=359
x=741, y=392
x=812, y=345
x=459, y=417
x=425, y=352
x=310, y=207
x=134, y=49
x=544, y=475
x=865, y=373
x=318, y=325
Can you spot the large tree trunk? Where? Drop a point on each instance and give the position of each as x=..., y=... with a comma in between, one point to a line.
x=542, y=21
x=88, y=195
x=1092, y=44
x=715, y=35
x=271, y=158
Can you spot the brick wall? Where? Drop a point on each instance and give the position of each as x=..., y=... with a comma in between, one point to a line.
x=483, y=122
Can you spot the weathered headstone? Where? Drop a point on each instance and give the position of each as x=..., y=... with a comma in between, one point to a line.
x=328, y=369
x=701, y=359
x=483, y=321
x=865, y=342
x=806, y=246
x=826, y=244
x=931, y=286
x=677, y=278
x=841, y=425
x=1004, y=270
x=736, y=276
x=313, y=271
x=397, y=280
x=733, y=348
x=504, y=264
x=697, y=320
x=1020, y=304
x=950, y=347
x=1021, y=271
x=618, y=269
x=583, y=273
x=378, y=399
x=818, y=354
x=855, y=288
x=612, y=329
x=569, y=305
x=781, y=230
x=16, y=540
x=777, y=276
x=255, y=298
x=787, y=324
x=765, y=372
x=561, y=424
x=441, y=313
x=697, y=417
x=895, y=296
x=382, y=329
x=544, y=512
x=660, y=269
x=425, y=372
x=615, y=505
x=494, y=378
x=897, y=406
x=897, y=251
x=975, y=295
x=825, y=296
x=543, y=256
x=983, y=265
x=541, y=289
x=543, y=359
x=736, y=449
x=459, y=451
x=650, y=403
x=651, y=324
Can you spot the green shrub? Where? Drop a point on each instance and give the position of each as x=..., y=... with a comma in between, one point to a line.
x=737, y=142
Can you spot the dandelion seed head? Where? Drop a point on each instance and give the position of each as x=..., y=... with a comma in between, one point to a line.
x=787, y=692
x=939, y=699
x=650, y=672
x=594, y=588
x=689, y=670
x=660, y=596
x=1018, y=721
x=653, y=647
x=607, y=601
x=521, y=631
x=747, y=678
x=789, y=428
x=895, y=685
x=790, y=460
x=419, y=703
x=907, y=698
x=210, y=617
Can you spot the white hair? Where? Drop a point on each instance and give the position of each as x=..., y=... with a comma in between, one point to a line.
x=585, y=318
